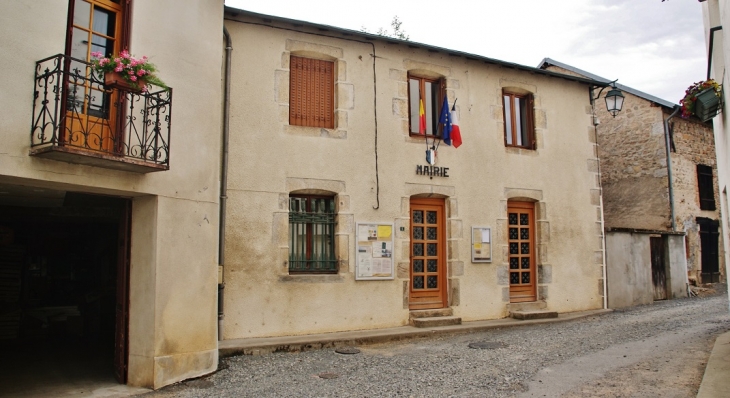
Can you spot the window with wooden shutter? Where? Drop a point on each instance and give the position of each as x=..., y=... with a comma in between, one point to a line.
x=311, y=92
x=705, y=187
x=519, y=126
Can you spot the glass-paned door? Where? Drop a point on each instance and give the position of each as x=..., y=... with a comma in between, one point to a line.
x=90, y=116
x=521, y=249
x=428, y=254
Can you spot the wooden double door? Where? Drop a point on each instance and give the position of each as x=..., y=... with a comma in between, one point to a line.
x=428, y=277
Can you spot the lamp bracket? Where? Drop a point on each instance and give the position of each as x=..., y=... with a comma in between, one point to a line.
x=612, y=85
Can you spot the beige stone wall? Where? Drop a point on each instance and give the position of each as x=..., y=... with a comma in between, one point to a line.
x=270, y=159
x=633, y=165
x=173, y=287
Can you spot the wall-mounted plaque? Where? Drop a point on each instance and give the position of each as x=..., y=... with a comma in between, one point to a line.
x=481, y=244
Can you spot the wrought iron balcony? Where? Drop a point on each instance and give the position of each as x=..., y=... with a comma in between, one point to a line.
x=78, y=119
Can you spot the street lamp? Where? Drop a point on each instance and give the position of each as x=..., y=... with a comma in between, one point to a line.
x=614, y=100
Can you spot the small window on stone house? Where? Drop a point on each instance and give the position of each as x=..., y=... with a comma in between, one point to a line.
x=706, y=187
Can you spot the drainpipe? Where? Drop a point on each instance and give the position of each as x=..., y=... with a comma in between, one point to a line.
x=669, y=165
x=224, y=180
x=667, y=143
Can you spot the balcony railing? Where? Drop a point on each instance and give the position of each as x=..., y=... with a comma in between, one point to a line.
x=76, y=118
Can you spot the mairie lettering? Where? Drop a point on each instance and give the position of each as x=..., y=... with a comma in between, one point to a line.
x=432, y=171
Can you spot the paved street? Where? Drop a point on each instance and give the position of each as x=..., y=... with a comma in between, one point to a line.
x=658, y=350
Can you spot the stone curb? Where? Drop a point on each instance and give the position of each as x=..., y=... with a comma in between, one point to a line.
x=715, y=382
x=267, y=345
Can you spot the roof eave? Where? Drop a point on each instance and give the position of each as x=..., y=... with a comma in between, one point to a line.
x=231, y=14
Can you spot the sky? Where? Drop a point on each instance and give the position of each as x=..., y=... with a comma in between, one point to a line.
x=649, y=45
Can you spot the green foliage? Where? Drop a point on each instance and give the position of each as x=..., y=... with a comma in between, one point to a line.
x=398, y=33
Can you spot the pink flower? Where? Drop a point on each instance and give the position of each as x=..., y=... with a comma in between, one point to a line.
x=124, y=54
x=118, y=68
x=141, y=72
x=144, y=89
x=117, y=60
x=133, y=78
x=103, y=61
x=96, y=54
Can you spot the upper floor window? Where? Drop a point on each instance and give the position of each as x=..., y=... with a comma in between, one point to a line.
x=519, y=128
x=312, y=234
x=424, y=99
x=311, y=92
x=706, y=187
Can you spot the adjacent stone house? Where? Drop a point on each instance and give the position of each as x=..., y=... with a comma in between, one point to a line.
x=638, y=195
x=338, y=219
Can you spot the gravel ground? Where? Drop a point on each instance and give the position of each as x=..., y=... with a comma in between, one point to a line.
x=654, y=350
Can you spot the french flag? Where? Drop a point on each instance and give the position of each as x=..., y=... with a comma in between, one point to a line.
x=455, y=131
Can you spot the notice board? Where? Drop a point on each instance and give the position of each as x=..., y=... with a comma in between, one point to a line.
x=481, y=244
x=374, y=251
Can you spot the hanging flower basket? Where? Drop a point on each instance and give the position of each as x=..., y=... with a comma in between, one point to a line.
x=702, y=99
x=708, y=104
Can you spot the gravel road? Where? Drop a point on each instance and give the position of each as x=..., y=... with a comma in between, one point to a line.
x=658, y=350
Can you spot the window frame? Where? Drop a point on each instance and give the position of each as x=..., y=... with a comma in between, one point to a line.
x=529, y=120
x=327, y=265
x=307, y=108
x=440, y=82
x=706, y=187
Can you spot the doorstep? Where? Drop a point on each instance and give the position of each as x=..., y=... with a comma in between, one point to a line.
x=266, y=345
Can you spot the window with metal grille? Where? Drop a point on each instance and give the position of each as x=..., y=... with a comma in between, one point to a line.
x=311, y=92
x=519, y=130
x=706, y=187
x=312, y=234
x=428, y=92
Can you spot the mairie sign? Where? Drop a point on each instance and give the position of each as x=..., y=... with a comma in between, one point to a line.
x=432, y=171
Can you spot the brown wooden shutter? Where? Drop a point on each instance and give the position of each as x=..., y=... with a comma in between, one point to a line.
x=311, y=92
x=126, y=33
x=530, y=109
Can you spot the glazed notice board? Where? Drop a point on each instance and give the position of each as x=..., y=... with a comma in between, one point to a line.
x=374, y=251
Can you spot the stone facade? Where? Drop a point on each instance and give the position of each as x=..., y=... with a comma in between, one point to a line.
x=367, y=162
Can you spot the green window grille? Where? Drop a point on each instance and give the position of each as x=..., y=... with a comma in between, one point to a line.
x=312, y=235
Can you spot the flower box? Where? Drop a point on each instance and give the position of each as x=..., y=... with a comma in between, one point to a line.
x=115, y=80
x=708, y=104
x=125, y=72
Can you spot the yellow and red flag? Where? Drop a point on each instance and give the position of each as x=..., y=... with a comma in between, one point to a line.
x=421, y=119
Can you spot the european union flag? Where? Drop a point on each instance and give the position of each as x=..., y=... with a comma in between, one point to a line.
x=445, y=121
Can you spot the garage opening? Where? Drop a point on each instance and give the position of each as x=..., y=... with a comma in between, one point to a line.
x=63, y=289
